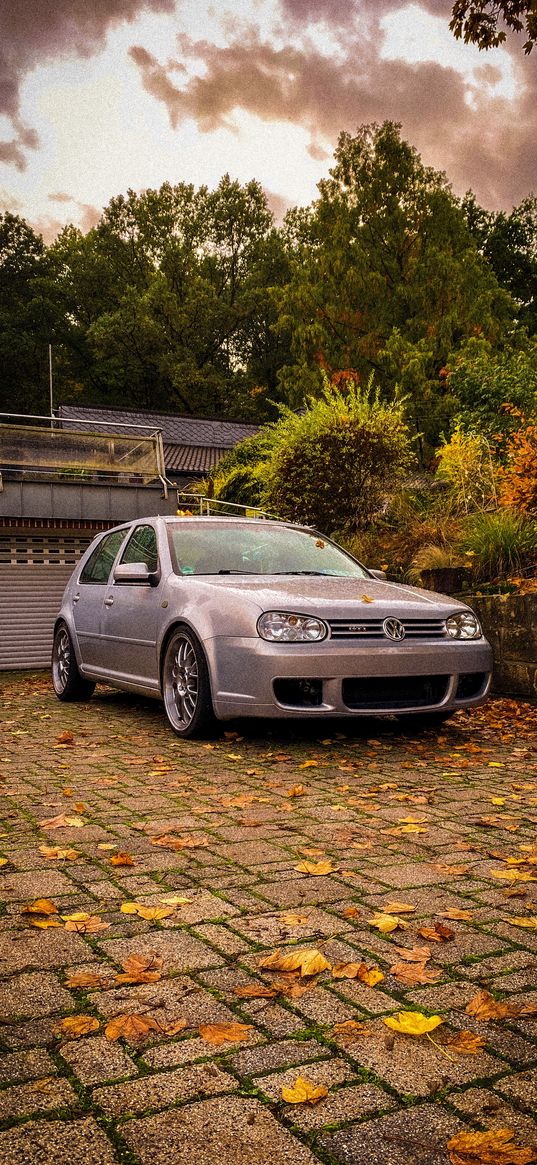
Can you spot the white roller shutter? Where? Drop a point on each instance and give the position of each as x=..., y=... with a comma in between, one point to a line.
x=34, y=570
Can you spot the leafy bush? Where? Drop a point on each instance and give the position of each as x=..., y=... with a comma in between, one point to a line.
x=519, y=478
x=467, y=466
x=332, y=464
x=501, y=543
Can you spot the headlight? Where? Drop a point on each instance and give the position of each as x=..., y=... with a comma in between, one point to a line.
x=464, y=625
x=279, y=627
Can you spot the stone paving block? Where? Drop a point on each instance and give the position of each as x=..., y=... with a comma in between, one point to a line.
x=223, y=939
x=271, y=1056
x=32, y=995
x=30, y=1065
x=271, y=929
x=177, y=1052
x=277, y=1020
x=96, y=1059
x=328, y=1072
x=415, y=1137
x=167, y=1000
x=304, y=891
x=38, y=884
x=178, y=950
x=354, y=1102
x=521, y=1088
x=163, y=1089
x=57, y=1143
x=491, y=1112
x=47, y=1093
x=43, y=949
x=231, y=1130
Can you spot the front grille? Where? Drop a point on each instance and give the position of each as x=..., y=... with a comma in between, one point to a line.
x=372, y=629
x=388, y=693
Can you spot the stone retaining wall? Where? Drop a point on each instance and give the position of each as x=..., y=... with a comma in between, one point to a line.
x=510, y=624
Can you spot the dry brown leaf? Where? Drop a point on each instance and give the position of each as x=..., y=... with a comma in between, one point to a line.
x=309, y=764
x=498, y=821
x=131, y=1027
x=40, y=906
x=65, y=738
x=84, y=923
x=179, y=843
x=296, y=791
x=346, y=970
x=141, y=969
x=62, y=821
x=255, y=991
x=349, y=1031
x=350, y=912
x=530, y=923
x=413, y=954
x=150, y=913
x=437, y=933
x=304, y=1092
x=85, y=979
x=54, y=853
x=308, y=962
x=484, y=1006
x=414, y=974
x=122, y=859
x=222, y=1033
x=455, y=871
x=77, y=1025
x=467, y=1043
x=398, y=908
x=315, y=868
x=293, y=919
x=457, y=915
x=495, y=1147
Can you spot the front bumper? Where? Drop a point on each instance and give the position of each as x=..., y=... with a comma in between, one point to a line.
x=244, y=670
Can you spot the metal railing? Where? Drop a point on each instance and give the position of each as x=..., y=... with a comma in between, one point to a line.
x=204, y=506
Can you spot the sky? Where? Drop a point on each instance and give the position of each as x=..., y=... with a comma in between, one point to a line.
x=101, y=96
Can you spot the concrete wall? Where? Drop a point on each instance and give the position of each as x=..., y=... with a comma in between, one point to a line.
x=510, y=624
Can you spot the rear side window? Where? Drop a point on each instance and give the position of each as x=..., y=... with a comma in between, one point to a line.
x=99, y=564
x=142, y=547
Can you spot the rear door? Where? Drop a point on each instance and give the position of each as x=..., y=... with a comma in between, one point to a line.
x=131, y=614
x=89, y=595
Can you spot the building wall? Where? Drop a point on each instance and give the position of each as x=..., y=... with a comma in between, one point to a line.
x=510, y=624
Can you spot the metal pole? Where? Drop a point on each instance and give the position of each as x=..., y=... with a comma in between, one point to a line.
x=50, y=385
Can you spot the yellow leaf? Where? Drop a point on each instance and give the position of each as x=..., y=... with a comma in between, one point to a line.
x=497, y=800
x=174, y=900
x=44, y=923
x=150, y=913
x=398, y=908
x=3, y=862
x=77, y=1025
x=495, y=1147
x=309, y=764
x=296, y=791
x=315, y=868
x=54, y=853
x=308, y=962
x=413, y=1023
x=293, y=919
x=367, y=599
x=40, y=906
x=304, y=1092
x=222, y=1033
x=370, y=975
x=530, y=923
x=387, y=922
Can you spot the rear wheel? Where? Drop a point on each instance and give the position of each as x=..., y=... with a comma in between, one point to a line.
x=67, y=681
x=186, y=689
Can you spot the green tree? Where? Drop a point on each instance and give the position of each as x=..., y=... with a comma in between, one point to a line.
x=509, y=242
x=492, y=389
x=386, y=277
x=479, y=21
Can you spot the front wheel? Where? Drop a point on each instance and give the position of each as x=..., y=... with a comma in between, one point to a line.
x=67, y=681
x=186, y=688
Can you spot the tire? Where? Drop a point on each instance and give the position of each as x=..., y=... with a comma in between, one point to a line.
x=67, y=681
x=186, y=688
x=425, y=719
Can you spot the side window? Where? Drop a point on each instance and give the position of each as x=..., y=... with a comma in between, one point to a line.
x=99, y=564
x=142, y=547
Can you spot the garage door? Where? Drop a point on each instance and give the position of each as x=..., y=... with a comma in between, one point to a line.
x=34, y=570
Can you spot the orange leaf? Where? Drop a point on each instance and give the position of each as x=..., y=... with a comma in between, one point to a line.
x=484, y=1006
x=346, y=970
x=308, y=962
x=131, y=1027
x=150, y=913
x=437, y=933
x=495, y=1147
x=350, y=912
x=309, y=764
x=77, y=1025
x=296, y=791
x=40, y=906
x=84, y=979
x=122, y=859
x=458, y=915
x=44, y=923
x=141, y=969
x=65, y=738
x=467, y=1042
x=413, y=954
x=222, y=1033
x=398, y=908
x=350, y=1030
x=413, y=974
x=255, y=991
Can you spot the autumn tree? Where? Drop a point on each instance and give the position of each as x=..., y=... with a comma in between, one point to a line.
x=386, y=277
x=480, y=21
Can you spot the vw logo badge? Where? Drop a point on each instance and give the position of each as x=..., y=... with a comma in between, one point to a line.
x=393, y=629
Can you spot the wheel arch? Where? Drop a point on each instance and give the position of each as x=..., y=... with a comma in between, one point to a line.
x=176, y=626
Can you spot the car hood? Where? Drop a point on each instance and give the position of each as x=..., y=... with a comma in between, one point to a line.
x=334, y=597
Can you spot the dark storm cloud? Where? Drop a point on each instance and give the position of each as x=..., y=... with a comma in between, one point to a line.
x=31, y=33
x=488, y=145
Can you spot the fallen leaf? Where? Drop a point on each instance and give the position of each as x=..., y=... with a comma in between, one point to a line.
x=414, y=974
x=141, y=969
x=85, y=979
x=150, y=913
x=413, y=1023
x=350, y=912
x=367, y=599
x=54, y=853
x=315, y=868
x=309, y=764
x=455, y=871
x=222, y=1033
x=350, y=1030
x=437, y=933
x=122, y=859
x=308, y=962
x=84, y=923
x=304, y=1092
x=40, y=906
x=457, y=915
x=514, y=875
x=530, y=923
x=178, y=843
x=484, y=1006
x=296, y=791
x=3, y=862
x=398, y=908
x=62, y=821
x=44, y=923
x=293, y=919
x=413, y=954
x=65, y=738
x=174, y=900
x=255, y=991
x=495, y=1147
x=77, y=1025
x=131, y=1027
x=387, y=922
x=467, y=1043
x=346, y=970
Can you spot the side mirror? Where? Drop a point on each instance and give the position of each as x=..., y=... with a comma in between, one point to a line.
x=135, y=572
x=380, y=574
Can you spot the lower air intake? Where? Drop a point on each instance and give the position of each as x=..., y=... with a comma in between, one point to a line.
x=390, y=693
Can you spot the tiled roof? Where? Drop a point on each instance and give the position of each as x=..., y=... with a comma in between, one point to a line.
x=191, y=458
x=194, y=432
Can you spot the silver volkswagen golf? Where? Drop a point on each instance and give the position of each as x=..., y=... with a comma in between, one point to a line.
x=224, y=617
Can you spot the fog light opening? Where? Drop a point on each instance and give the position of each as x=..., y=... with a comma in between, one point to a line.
x=301, y=693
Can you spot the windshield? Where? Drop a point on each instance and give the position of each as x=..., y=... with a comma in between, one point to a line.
x=255, y=548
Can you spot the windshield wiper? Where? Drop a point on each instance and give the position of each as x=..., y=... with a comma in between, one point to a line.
x=322, y=573
x=237, y=572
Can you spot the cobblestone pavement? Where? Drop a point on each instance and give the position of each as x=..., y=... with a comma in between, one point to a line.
x=103, y=806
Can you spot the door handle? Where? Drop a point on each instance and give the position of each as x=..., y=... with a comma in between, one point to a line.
x=108, y=602
x=76, y=598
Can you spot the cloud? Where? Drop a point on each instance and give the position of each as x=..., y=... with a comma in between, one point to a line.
x=87, y=219
x=482, y=141
x=31, y=33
